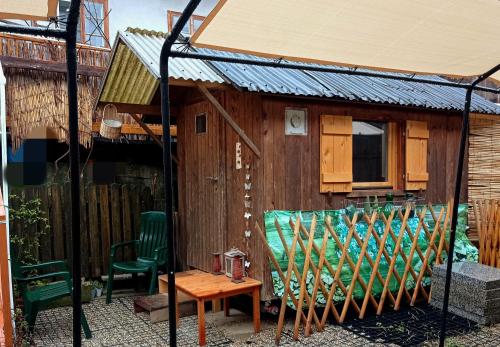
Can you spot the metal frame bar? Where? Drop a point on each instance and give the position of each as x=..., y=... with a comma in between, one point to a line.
x=338, y=70
x=456, y=200
x=71, y=58
x=166, y=52
x=69, y=35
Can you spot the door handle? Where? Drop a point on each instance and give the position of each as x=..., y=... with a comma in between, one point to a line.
x=212, y=178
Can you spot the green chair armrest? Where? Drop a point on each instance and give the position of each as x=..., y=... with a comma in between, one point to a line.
x=121, y=245
x=64, y=274
x=59, y=264
x=157, y=252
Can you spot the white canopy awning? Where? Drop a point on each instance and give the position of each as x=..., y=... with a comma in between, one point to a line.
x=28, y=9
x=446, y=37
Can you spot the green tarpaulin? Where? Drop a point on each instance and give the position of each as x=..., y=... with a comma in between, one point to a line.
x=463, y=249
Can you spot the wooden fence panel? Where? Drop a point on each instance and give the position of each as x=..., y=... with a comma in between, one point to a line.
x=116, y=213
x=56, y=216
x=109, y=214
x=105, y=227
x=94, y=231
x=430, y=231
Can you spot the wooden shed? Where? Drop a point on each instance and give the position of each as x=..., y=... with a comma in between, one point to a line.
x=253, y=139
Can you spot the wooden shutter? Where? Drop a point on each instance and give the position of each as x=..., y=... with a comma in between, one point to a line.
x=417, y=137
x=336, y=154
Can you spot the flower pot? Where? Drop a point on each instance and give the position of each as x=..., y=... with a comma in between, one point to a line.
x=98, y=292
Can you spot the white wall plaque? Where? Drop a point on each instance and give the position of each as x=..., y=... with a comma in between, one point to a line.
x=295, y=121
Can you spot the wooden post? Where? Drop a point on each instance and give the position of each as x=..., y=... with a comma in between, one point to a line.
x=205, y=92
x=393, y=261
x=303, y=284
x=291, y=262
x=317, y=280
x=276, y=265
x=375, y=267
x=410, y=257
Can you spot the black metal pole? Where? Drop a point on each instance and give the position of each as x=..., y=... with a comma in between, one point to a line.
x=47, y=32
x=74, y=160
x=456, y=201
x=330, y=69
x=167, y=162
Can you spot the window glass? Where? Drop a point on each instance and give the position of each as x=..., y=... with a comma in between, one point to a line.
x=63, y=18
x=94, y=23
x=196, y=24
x=201, y=123
x=370, y=151
x=186, y=30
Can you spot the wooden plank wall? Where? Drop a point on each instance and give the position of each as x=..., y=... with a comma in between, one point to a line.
x=201, y=186
x=109, y=214
x=291, y=163
x=286, y=177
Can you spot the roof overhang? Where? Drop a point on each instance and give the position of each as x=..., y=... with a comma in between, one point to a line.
x=133, y=73
x=28, y=9
x=448, y=37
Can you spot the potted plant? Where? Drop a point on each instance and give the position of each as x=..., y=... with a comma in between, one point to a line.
x=97, y=289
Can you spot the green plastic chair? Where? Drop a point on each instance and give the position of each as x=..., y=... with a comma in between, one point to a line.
x=150, y=250
x=37, y=298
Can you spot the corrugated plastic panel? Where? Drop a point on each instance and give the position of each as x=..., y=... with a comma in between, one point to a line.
x=128, y=80
x=147, y=46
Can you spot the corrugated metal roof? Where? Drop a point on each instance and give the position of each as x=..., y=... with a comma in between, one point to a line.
x=346, y=87
x=131, y=70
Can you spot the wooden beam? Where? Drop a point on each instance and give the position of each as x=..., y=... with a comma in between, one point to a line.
x=228, y=119
x=147, y=129
x=153, y=110
x=48, y=66
x=132, y=129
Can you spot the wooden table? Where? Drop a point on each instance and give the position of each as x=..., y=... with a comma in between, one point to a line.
x=203, y=286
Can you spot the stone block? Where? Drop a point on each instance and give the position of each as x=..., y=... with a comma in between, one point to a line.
x=474, y=291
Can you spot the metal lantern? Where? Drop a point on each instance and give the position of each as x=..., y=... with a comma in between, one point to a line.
x=229, y=256
x=217, y=266
x=237, y=269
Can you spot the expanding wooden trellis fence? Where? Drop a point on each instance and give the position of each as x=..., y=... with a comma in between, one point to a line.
x=429, y=232
x=487, y=214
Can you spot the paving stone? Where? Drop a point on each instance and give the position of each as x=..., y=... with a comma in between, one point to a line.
x=117, y=325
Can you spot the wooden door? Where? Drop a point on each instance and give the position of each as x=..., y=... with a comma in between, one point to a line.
x=204, y=185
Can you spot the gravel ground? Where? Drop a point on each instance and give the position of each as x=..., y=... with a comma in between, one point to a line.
x=117, y=325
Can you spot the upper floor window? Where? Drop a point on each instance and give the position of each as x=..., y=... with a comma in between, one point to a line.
x=93, y=28
x=191, y=26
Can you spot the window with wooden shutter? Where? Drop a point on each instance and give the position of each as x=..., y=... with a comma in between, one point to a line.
x=336, y=154
x=417, y=137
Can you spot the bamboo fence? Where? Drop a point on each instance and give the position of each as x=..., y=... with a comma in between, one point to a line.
x=390, y=248
x=487, y=214
x=484, y=160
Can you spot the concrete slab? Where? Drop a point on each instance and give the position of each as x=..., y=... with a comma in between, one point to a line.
x=474, y=291
x=237, y=327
